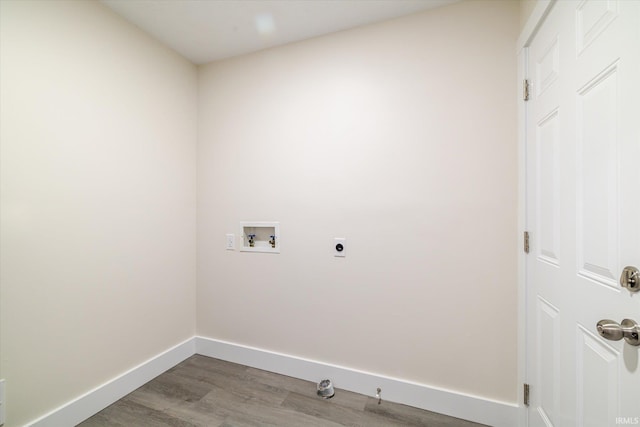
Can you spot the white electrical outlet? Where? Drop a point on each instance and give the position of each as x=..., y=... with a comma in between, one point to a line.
x=231, y=242
x=2, y=402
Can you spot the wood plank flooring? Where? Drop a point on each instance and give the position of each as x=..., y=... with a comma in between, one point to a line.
x=202, y=391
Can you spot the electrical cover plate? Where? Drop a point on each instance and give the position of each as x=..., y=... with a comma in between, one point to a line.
x=340, y=247
x=231, y=242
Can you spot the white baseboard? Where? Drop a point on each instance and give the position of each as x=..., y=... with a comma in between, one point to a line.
x=102, y=396
x=460, y=405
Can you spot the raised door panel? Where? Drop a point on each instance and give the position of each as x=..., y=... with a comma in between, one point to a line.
x=548, y=345
x=548, y=189
x=598, y=171
x=598, y=381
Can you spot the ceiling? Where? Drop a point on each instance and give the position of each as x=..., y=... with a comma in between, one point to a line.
x=208, y=30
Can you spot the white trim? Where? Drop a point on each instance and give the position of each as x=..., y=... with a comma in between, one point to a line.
x=529, y=31
x=522, y=227
x=536, y=18
x=92, y=402
x=456, y=404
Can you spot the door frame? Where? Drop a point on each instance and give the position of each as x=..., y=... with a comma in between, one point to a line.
x=539, y=13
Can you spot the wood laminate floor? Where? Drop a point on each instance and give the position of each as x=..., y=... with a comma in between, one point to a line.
x=202, y=391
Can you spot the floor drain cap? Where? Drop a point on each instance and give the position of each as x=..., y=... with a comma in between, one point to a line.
x=325, y=389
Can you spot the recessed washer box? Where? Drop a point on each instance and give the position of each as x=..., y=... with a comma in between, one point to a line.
x=260, y=236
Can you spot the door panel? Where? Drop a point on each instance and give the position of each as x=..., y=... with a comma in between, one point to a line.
x=548, y=189
x=549, y=351
x=547, y=66
x=598, y=382
x=583, y=212
x=593, y=17
x=598, y=170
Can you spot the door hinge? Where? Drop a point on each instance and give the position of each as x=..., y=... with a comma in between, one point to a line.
x=526, y=395
x=525, y=90
x=526, y=242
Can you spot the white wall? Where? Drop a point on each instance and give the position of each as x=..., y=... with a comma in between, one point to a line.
x=401, y=137
x=526, y=8
x=98, y=200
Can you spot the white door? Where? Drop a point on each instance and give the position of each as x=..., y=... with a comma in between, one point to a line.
x=583, y=213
